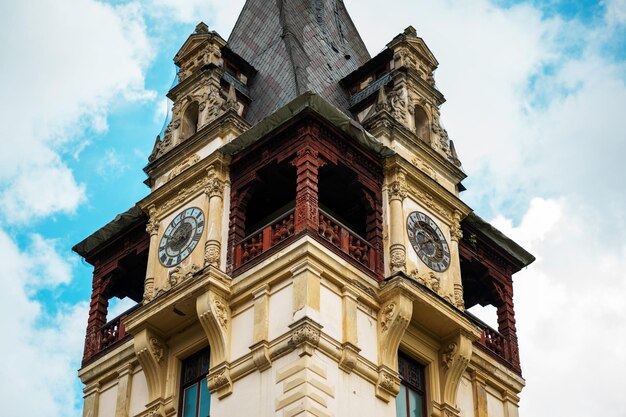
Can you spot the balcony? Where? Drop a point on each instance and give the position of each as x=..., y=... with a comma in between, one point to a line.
x=107, y=337
x=497, y=346
x=330, y=232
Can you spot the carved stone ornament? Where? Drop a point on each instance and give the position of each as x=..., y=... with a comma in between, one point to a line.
x=388, y=385
x=152, y=228
x=456, y=234
x=178, y=274
x=458, y=297
x=221, y=312
x=386, y=316
x=182, y=196
x=187, y=163
x=398, y=188
x=429, y=280
x=212, y=253
x=398, y=106
x=219, y=381
x=447, y=356
x=156, y=411
x=398, y=259
x=305, y=334
x=157, y=348
x=430, y=202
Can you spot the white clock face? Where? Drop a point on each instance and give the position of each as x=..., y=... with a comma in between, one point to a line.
x=428, y=241
x=181, y=237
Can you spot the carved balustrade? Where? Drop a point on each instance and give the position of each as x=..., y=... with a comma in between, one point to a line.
x=261, y=241
x=496, y=345
x=110, y=334
x=347, y=241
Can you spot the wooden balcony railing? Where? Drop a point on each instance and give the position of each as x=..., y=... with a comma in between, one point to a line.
x=261, y=241
x=346, y=240
x=329, y=230
x=108, y=335
x=498, y=347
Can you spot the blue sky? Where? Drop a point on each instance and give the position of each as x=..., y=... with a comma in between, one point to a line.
x=536, y=95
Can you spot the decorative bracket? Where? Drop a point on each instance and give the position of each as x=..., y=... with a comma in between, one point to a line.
x=455, y=356
x=151, y=352
x=215, y=317
x=393, y=320
x=305, y=336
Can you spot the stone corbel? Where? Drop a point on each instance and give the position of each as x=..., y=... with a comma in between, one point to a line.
x=455, y=356
x=393, y=320
x=305, y=336
x=215, y=317
x=151, y=352
x=349, y=357
x=219, y=380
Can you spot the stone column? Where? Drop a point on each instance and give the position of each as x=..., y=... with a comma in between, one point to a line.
x=92, y=399
x=153, y=230
x=215, y=202
x=397, y=193
x=455, y=261
x=123, y=391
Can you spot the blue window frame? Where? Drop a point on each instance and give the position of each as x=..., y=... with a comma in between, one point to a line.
x=195, y=399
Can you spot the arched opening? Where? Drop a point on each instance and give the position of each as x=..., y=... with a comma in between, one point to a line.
x=190, y=120
x=341, y=197
x=273, y=194
x=422, y=124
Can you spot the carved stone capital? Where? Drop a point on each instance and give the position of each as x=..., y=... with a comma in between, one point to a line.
x=152, y=228
x=398, y=188
x=397, y=257
x=212, y=252
x=305, y=336
x=388, y=384
x=458, y=297
x=456, y=234
x=219, y=380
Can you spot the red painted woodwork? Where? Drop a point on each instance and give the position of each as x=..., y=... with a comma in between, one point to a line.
x=307, y=145
x=486, y=272
x=263, y=240
x=120, y=269
x=346, y=240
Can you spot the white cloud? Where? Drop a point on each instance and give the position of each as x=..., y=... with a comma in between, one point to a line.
x=616, y=11
x=111, y=165
x=68, y=63
x=570, y=310
x=43, y=352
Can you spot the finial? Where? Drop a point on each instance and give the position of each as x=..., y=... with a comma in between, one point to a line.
x=202, y=28
x=410, y=31
x=231, y=99
x=381, y=101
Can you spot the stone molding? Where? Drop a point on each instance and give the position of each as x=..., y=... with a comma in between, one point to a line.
x=151, y=352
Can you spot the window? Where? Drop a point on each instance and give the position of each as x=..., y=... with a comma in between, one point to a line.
x=410, y=401
x=422, y=125
x=195, y=397
x=190, y=120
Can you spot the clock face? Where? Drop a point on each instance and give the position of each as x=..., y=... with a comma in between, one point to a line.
x=428, y=241
x=181, y=237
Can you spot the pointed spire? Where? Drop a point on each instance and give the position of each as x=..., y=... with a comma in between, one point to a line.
x=296, y=46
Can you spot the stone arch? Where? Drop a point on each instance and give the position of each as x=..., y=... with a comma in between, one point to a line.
x=190, y=120
x=422, y=123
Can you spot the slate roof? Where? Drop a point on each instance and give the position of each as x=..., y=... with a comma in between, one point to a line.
x=297, y=46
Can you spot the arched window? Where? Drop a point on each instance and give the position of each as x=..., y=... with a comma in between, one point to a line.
x=190, y=120
x=422, y=124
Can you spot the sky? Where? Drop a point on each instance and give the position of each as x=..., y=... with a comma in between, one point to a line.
x=536, y=96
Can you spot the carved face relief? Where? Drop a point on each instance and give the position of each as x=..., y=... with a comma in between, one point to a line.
x=181, y=237
x=428, y=241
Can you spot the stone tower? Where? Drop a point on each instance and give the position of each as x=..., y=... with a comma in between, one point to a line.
x=303, y=250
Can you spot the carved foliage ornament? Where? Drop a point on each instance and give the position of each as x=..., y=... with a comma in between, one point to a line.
x=221, y=312
x=157, y=348
x=448, y=355
x=386, y=316
x=305, y=334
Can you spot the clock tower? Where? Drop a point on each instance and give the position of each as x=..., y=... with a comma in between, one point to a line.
x=303, y=248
